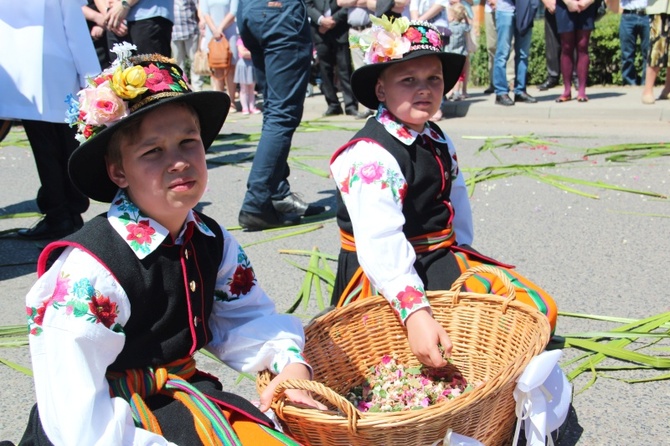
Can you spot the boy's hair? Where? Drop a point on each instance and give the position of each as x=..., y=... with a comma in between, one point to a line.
x=131, y=130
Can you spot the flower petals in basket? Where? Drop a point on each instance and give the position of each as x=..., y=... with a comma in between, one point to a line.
x=493, y=337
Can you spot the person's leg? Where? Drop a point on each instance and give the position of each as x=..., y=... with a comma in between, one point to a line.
x=179, y=52
x=231, y=87
x=280, y=43
x=244, y=99
x=344, y=70
x=521, y=51
x=491, y=38
x=654, y=59
x=466, y=77
x=582, y=45
x=190, y=47
x=643, y=31
x=553, y=50
x=325, y=51
x=627, y=40
x=567, y=62
x=57, y=198
x=505, y=30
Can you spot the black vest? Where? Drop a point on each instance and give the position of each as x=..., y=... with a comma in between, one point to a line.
x=427, y=170
x=171, y=291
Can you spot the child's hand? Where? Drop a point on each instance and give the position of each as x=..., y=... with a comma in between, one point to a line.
x=425, y=335
x=295, y=370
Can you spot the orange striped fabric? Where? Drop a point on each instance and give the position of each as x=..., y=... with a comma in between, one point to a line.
x=484, y=283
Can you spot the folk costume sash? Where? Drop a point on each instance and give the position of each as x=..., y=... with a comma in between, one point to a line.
x=215, y=425
x=359, y=285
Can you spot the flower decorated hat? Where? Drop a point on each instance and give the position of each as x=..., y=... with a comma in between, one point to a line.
x=390, y=41
x=131, y=87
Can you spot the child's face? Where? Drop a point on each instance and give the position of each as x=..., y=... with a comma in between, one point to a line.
x=412, y=90
x=163, y=169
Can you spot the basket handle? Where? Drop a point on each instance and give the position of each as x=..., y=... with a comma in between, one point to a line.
x=460, y=282
x=343, y=404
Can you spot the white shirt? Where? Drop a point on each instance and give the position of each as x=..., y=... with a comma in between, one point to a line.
x=71, y=351
x=46, y=54
x=383, y=251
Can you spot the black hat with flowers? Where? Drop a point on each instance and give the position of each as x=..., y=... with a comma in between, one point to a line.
x=131, y=87
x=394, y=40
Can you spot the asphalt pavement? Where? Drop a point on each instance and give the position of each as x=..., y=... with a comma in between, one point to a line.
x=597, y=250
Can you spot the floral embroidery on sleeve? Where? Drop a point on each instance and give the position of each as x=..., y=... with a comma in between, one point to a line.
x=374, y=173
x=295, y=356
x=241, y=282
x=406, y=300
x=82, y=300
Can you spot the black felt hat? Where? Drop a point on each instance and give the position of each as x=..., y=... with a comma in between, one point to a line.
x=129, y=89
x=391, y=41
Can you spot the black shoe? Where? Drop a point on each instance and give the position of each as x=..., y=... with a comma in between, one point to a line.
x=333, y=111
x=293, y=204
x=489, y=90
x=365, y=115
x=273, y=219
x=351, y=111
x=46, y=230
x=504, y=99
x=524, y=97
x=549, y=83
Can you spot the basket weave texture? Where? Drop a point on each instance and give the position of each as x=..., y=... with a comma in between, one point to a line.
x=493, y=337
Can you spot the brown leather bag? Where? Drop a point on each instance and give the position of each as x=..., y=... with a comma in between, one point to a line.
x=219, y=56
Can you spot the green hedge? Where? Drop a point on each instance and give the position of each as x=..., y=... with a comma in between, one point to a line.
x=605, y=52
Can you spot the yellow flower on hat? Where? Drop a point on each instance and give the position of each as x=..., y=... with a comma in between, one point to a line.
x=129, y=83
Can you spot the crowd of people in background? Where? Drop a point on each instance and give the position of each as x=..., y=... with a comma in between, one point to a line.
x=507, y=24
x=318, y=34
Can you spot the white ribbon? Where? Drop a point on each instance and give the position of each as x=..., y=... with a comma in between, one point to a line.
x=543, y=396
x=453, y=439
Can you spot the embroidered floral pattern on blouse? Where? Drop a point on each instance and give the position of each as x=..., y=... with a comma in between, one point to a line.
x=78, y=300
x=242, y=281
x=407, y=136
x=143, y=234
x=139, y=230
x=374, y=173
x=406, y=300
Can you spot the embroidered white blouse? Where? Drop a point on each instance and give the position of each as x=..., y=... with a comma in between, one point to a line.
x=374, y=203
x=72, y=344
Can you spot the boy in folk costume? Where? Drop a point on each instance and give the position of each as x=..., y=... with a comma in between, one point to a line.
x=116, y=319
x=403, y=210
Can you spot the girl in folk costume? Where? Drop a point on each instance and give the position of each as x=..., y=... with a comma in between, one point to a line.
x=403, y=210
x=127, y=301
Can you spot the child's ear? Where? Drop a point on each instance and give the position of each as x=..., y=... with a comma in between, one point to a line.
x=116, y=173
x=379, y=91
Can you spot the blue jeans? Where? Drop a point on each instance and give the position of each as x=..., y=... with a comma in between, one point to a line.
x=278, y=36
x=631, y=27
x=506, y=27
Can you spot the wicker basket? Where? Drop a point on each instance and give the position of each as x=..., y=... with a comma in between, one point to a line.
x=494, y=338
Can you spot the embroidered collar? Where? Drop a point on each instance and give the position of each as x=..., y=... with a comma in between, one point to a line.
x=400, y=131
x=143, y=234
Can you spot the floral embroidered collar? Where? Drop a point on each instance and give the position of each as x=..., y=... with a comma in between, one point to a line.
x=143, y=234
x=400, y=131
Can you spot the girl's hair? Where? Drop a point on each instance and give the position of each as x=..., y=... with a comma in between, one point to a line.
x=459, y=12
x=130, y=130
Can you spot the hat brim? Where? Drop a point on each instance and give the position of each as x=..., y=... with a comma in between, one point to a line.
x=87, y=167
x=364, y=79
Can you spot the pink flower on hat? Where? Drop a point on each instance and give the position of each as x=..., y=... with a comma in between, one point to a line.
x=388, y=46
x=157, y=79
x=102, y=105
x=434, y=38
